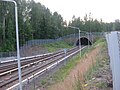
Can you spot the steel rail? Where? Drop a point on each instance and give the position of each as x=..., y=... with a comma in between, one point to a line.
x=32, y=63
x=34, y=69
x=43, y=70
x=11, y=66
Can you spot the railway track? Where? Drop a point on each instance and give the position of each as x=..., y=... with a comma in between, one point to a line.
x=13, y=64
x=29, y=67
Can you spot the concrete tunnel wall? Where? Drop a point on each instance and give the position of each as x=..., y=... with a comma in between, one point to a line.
x=84, y=41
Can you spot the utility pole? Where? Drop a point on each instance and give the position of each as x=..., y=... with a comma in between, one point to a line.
x=17, y=40
x=79, y=37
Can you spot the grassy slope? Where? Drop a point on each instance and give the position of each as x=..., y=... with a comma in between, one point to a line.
x=57, y=46
x=62, y=73
x=98, y=74
x=65, y=70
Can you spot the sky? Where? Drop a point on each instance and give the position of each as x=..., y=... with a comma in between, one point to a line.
x=108, y=10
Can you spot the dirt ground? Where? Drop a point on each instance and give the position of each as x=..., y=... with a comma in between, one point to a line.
x=82, y=67
x=33, y=50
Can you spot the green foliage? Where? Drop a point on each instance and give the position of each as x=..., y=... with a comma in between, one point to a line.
x=101, y=62
x=101, y=85
x=43, y=82
x=64, y=71
x=116, y=25
x=101, y=42
x=35, y=22
x=38, y=22
x=88, y=24
x=57, y=46
x=78, y=84
x=61, y=74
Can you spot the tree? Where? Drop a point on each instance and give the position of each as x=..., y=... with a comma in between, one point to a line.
x=117, y=25
x=38, y=22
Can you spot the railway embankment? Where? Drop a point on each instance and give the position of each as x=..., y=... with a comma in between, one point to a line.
x=91, y=72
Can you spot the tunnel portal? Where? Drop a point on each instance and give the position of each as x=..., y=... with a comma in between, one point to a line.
x=84, y=41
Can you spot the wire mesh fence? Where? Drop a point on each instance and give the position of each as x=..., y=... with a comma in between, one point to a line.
x=26, y=49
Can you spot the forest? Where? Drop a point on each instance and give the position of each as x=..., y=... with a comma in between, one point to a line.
x=38, y=22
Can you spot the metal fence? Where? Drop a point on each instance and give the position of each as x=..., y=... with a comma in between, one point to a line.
x=26, y=46
x=113, y=41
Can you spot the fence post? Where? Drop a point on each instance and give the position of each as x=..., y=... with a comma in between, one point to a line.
x=114, y=53
x=65, y=51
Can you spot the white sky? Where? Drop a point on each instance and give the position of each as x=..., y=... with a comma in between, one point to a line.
x=108, y=10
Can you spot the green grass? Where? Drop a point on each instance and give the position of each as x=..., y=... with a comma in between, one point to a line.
x=78, y=83
x=98, y=64
x=57, y=46
x=100, y=42
x=62, y=73
x=101, y=85
x=43, y=82
x=101, y=61
x=88, y=76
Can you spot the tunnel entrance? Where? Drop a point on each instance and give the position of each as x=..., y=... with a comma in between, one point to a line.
x=84, y=41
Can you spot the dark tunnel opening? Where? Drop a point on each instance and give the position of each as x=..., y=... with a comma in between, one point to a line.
x=84, y=41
